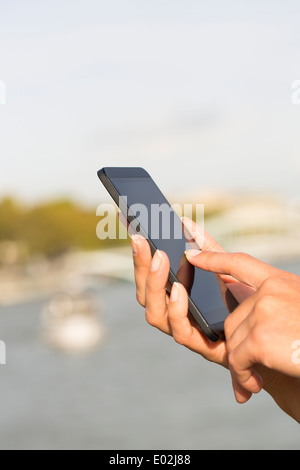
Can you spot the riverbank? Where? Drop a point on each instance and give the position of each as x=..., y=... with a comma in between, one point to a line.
x=76, y=271
x=71, y=272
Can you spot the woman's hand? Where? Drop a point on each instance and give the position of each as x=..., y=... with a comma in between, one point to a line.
x=251, y=330
x=170, y=315
x=263, y=333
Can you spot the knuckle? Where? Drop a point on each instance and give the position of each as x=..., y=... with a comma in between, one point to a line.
x=229, y=347
x=151, y=286
x=258, y=336
x=263, y=306
x=179, y=339
x=228, y=327
x=150, y=318
x=139, y=268
x=269, y=284
x=241, y=258
x=231, y=359
x=140, y=298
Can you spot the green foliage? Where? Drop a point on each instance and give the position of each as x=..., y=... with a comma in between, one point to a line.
x=50, y=228
x=11, y=214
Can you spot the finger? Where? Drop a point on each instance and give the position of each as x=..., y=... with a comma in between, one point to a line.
x=241, y=266
x=198, y=238
x=239, y=290
x=236, y=331
x=155, y=293
x=241, y=362
x=182, y=330
x=241, y=395
x=240, y=325
x=186, y=273
x=236, y=318
x=185, y=333
x=193, y=232
x=142, y=261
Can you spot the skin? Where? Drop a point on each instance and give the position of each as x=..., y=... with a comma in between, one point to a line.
x=261, y=334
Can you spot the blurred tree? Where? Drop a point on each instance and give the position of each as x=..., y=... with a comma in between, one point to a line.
x=11, y=218
x=51, y=228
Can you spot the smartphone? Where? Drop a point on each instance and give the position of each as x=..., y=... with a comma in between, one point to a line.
x=136, y=194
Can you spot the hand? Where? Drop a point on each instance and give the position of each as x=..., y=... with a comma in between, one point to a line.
x=170, y=315
x=263, y=333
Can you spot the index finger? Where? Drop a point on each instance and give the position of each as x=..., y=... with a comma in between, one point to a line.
x=241, y=266
x=195, y=233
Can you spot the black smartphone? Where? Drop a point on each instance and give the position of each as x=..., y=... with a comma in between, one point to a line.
x=136, y=194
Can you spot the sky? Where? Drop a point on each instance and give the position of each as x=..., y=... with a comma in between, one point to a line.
x=199, y=93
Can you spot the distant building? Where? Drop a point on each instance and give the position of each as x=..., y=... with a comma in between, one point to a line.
x=266, y=228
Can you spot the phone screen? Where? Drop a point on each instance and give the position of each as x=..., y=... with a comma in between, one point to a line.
x=206, y=290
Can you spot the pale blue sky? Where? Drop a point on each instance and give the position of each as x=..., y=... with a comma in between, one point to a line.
x=197, y=92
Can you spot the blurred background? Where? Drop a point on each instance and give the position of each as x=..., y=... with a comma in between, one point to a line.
x=201, y=95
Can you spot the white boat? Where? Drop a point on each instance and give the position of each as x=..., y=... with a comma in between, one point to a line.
x=71, y=323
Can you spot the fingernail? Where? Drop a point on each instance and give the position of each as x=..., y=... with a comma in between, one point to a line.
x=174, y=292
x=134, y=244
x=192, y=252
x=156, y=261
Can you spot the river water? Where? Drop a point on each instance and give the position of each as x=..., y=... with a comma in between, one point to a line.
x=139, y=390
